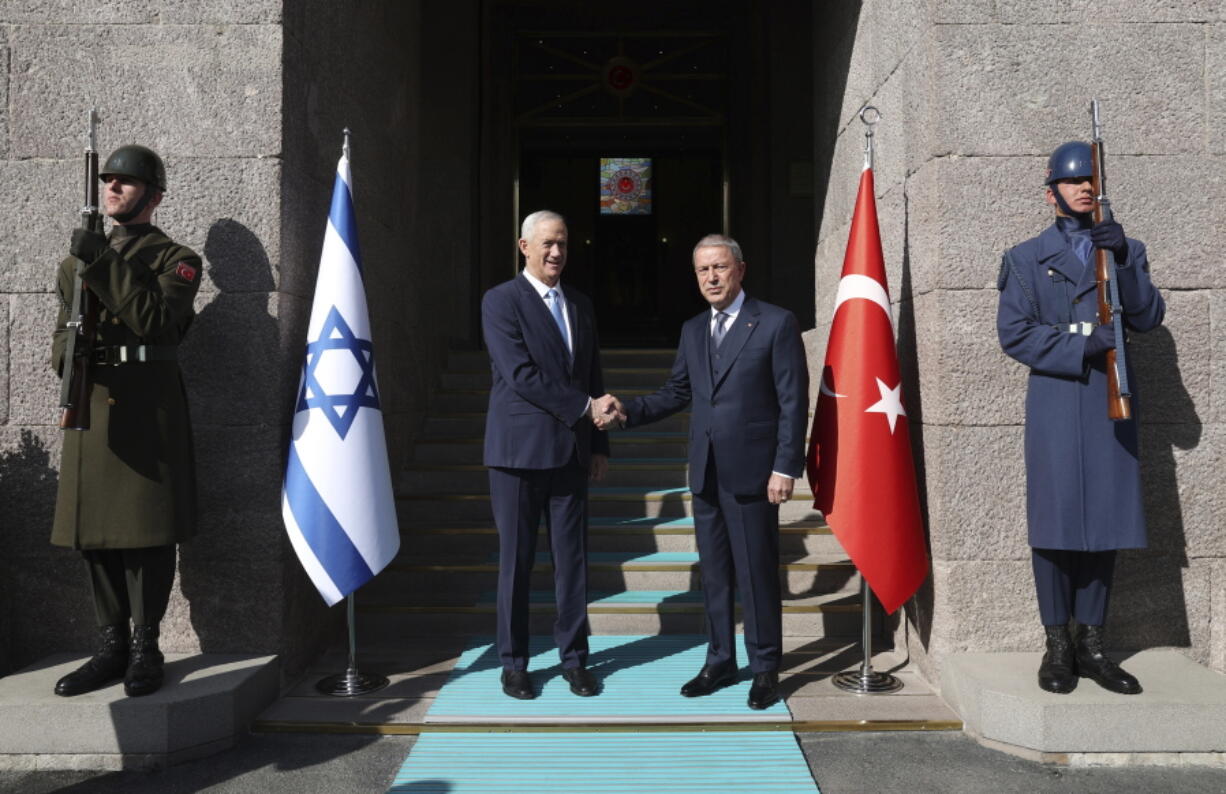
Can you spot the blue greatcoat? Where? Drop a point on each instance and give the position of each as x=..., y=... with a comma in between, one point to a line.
x=1083, y=481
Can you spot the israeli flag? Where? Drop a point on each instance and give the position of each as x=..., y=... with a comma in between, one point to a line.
x=337, y=500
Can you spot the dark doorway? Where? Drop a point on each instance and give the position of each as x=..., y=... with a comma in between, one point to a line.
x=718, y=94
x=635, y=267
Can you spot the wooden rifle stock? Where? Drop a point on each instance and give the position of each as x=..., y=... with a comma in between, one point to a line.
x=83, y=316
x=1119, y=406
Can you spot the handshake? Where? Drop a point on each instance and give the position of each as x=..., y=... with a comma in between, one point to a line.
x=606, y=412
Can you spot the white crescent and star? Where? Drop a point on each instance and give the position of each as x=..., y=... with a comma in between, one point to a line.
x=856, y=286
x=890, y=403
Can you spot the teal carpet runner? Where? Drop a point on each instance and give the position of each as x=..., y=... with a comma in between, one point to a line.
x=685, y=762
x=641, y=677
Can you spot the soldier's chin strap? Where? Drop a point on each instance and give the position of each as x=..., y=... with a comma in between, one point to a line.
x=145, y=197
x=1082, y=218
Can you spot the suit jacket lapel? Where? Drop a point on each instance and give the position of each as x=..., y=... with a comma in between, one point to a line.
x=572, y=311
x=1056, y=254
x=1089, y=272
x=746, y=323
x=697, y=331
x=537, y=313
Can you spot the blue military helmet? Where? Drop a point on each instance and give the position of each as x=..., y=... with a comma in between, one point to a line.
x=1070, y=160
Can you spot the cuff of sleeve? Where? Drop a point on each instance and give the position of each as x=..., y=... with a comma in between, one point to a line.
x=789, y=476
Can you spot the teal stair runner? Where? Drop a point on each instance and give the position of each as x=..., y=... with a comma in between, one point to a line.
x=641, y=678
x=687, y=762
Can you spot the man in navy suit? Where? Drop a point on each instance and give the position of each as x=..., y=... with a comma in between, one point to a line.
x=541, y=446
x=742, y=367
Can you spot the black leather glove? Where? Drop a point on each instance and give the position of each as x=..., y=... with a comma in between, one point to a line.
x=1109, y=236
x=1100, y=340
x=87, y=245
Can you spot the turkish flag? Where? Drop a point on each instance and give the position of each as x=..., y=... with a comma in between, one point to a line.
x=860, y=465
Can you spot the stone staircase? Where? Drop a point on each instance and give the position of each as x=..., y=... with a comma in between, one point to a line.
x=417, y=617
x=643, y=572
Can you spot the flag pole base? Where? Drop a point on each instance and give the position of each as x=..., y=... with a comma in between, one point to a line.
x=871, y=683
x=350, y=683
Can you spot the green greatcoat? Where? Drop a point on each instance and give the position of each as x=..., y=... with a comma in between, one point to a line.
x=129, y=481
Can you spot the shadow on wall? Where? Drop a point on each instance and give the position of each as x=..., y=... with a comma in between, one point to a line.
x=32, y=571
x=919, y=609
x=834, y=40
x=232, y=573
x=1149, y=608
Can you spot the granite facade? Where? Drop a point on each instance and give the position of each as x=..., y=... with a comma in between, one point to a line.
x=970, y=112
x=245, y=101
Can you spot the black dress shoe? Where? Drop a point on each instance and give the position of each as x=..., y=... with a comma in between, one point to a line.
x=581, y=681
x=764, y=692
x=517, y=684
x=144, y=673
x=1092, y=663
x=104, y=667
x=1058, y=670
x=711, y=678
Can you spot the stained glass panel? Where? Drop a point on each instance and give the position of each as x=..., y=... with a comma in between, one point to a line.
x=625, y=185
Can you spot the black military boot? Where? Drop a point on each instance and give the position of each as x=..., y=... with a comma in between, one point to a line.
x=1058, y=672
x=1093, y=663
x=105, y=666
x=144, y=676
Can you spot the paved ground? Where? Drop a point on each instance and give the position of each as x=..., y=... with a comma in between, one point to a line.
x=844, y=763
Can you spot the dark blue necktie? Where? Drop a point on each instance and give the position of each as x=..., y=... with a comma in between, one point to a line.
x=721, y=328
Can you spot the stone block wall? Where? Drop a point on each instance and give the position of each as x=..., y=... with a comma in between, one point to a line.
x=246, y=103
x=200, y=82
x=973, y=101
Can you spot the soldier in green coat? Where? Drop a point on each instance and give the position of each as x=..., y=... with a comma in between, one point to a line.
x=127, y=484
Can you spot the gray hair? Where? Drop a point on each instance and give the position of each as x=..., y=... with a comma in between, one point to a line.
x=530, y=222
x=719, y=239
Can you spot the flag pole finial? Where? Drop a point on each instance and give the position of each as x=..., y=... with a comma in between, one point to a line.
x=345, y=145
x=871, y=116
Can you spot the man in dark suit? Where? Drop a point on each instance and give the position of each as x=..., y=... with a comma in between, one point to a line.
x=742, y=367
x=541, y=446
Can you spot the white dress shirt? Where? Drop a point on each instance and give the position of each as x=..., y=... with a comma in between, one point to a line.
x=542, y=289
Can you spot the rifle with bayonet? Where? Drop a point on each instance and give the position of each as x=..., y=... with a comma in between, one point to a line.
x=83, y=314
x=1119, y=402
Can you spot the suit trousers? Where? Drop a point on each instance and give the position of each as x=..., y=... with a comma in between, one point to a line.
x=738, y=551
x=519, y=498
x=131, y=584
x=1073, y=584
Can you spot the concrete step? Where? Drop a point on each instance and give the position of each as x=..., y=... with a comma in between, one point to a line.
x=1180, y=710
x=800, y=575
x=629, y=502
x=418, y=665
x=817, y=616
x=206, y=704
x=473, y=477
x=604, y=534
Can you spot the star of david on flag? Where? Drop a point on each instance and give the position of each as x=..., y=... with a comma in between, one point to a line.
x=337, y=500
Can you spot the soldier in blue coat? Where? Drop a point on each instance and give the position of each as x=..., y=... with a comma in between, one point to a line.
x=1083, y=485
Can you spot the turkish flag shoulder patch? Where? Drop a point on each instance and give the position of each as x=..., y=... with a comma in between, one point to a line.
x=185, y=272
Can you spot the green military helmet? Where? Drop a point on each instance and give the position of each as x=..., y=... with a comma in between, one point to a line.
x=138, y=162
